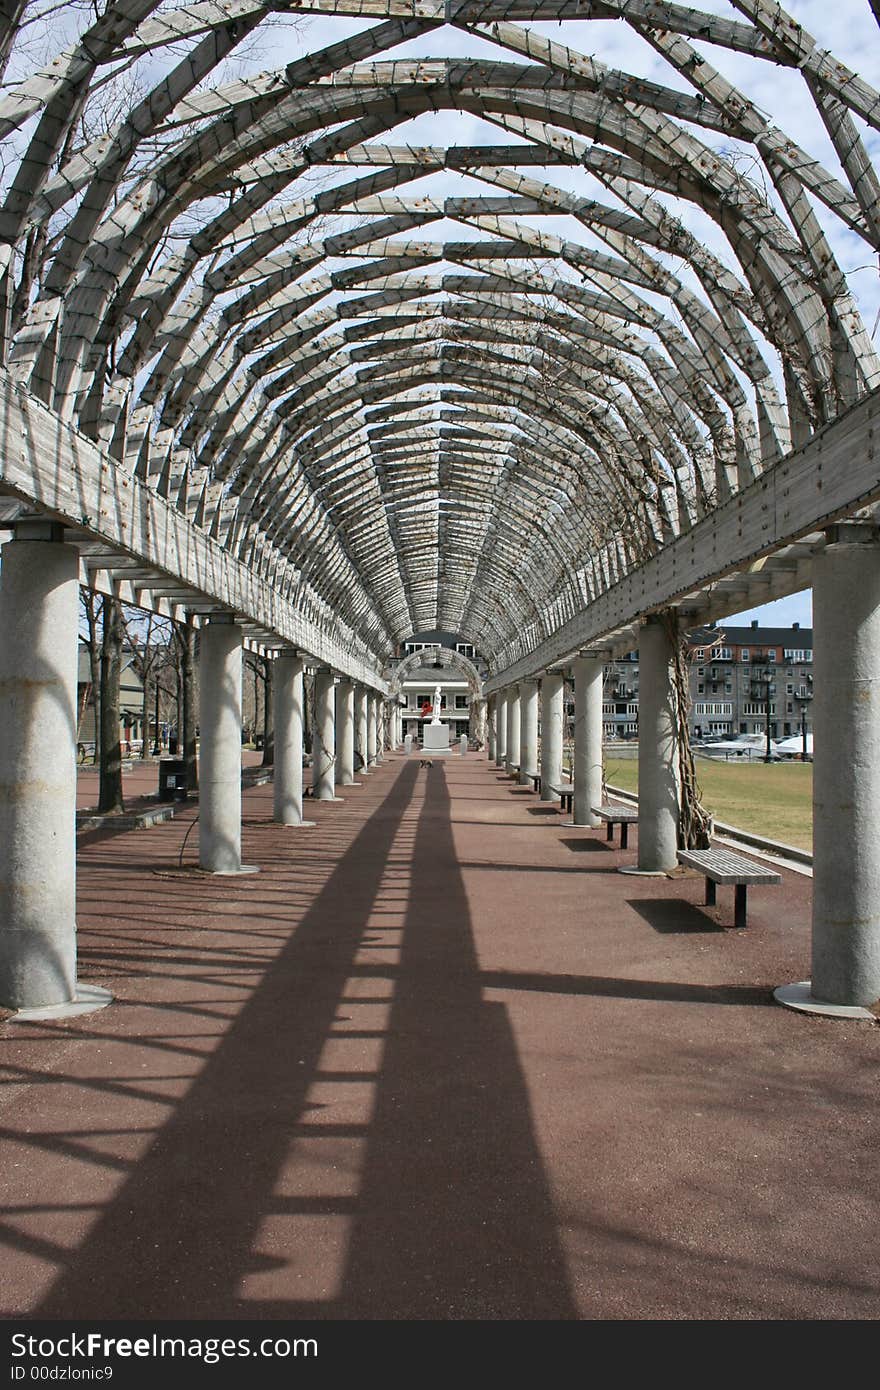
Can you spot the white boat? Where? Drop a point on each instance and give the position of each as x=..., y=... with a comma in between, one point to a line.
x=750, y=747
x=794, y=747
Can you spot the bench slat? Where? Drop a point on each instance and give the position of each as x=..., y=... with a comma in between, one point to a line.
x=725, y=867
x=616, y=813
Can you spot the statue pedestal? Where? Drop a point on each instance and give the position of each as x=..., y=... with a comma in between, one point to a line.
x=435, y=738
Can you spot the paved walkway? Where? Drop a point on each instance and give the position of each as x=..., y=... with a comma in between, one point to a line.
x=438, y=1060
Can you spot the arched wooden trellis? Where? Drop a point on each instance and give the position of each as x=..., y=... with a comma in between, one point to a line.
x=231, y=284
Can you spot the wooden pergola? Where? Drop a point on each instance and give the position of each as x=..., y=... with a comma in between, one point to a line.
x=267, y=358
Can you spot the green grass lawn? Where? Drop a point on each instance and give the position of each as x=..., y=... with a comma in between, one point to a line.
x=772, y=799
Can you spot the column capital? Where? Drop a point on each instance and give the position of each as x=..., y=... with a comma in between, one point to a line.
x=852, y=533
x=37, y=528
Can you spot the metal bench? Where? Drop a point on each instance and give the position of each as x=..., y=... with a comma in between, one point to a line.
x=624, y=816
x=722, y=866
x=565, y=792
x=535, y=779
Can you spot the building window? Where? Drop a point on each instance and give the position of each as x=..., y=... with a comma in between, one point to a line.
x=745, y=653
x=461, y=702
x=771, y=654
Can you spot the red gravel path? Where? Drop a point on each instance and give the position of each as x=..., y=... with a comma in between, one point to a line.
x=438, y=1060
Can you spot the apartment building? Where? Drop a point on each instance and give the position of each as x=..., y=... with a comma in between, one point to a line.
x=741, y=677
x=735, y=674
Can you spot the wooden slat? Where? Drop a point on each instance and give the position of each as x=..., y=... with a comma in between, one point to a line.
x=54, y=469
x=831, y=477
x=724, y=867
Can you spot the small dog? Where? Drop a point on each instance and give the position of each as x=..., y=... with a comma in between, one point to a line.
x=425, y=762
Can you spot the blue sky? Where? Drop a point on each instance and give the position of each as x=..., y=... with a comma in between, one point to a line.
x=797, y=608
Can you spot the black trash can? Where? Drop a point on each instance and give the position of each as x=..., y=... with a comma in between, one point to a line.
x=172, y=779
x=172, y=743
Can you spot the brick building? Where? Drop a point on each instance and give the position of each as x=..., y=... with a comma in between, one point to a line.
x=734, y=673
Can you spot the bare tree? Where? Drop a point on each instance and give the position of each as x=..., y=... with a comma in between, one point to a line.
x=268, y=715
x=89, y=602
x=150, y=642
x=110, y=798
x=185, y=637
x=257, y=704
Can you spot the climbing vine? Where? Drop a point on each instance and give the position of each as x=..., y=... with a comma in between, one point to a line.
x=694, y=821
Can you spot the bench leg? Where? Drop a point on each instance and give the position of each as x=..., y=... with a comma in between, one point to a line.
x=710, y=892
x=624, y=834
x=739, y=916
x=610, y=835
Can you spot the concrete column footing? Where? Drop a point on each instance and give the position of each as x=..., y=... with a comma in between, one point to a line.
x=89, y=999
x=643, y=873
x=233, y=873
x=799, y=996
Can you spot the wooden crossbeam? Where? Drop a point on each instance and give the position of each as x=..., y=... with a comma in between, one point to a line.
x=829, y=479
x=54, y=469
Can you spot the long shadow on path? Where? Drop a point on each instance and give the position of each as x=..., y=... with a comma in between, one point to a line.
x=359, y=1144
x=456, y=1219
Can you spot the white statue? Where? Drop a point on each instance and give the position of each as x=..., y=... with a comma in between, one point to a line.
x=436, y=710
